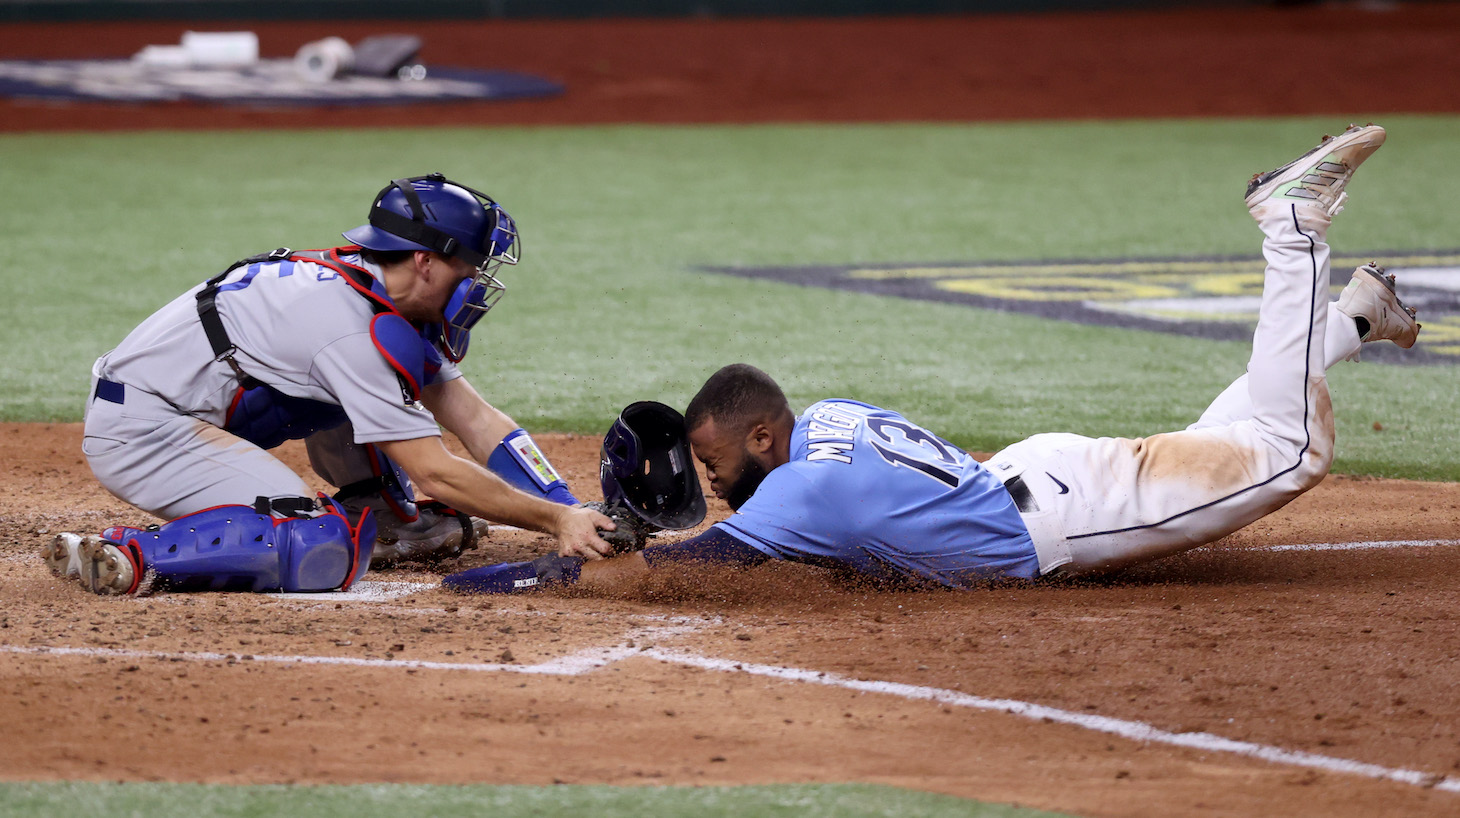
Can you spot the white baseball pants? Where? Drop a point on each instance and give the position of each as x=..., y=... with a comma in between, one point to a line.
x=1101, y=503
x=171, y=464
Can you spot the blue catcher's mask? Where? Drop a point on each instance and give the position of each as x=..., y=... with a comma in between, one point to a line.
x=474, y=296
x=433, y=213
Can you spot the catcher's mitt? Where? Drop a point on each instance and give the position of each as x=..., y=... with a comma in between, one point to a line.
x=632, y=532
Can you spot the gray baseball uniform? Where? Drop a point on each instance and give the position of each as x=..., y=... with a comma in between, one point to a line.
x=155, y=423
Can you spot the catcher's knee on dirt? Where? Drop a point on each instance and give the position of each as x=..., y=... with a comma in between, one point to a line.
x=235, y=548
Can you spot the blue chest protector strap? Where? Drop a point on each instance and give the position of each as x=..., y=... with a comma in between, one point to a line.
x=223, y=348
x=400, y=342
x=267, y=417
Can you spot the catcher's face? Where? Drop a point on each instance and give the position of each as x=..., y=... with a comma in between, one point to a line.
x=731, y=462
x=426, y=284
x=449, y=273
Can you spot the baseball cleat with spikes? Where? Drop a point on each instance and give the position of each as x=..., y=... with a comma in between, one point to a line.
x=434, y=536
x=110, y=569
x=1370, y=297
x=63, y=555
x=1318, y=177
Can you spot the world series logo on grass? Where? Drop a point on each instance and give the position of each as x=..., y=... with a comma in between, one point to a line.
x=1212, y=297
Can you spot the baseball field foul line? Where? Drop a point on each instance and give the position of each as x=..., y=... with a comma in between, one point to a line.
x=1134, y=730
x=572, y=664
x=1356, y=546
x=585, y=661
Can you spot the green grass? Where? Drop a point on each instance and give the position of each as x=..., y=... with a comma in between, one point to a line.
x=27, y=800
x=608, y=306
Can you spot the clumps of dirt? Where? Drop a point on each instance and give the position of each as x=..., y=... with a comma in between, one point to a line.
x=772, y=588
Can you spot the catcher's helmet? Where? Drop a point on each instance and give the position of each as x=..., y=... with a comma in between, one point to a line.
x=434, y=213
x=646, y=466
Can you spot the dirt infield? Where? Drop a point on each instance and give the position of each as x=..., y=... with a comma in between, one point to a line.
x=1240, y=679
x=1348, y=655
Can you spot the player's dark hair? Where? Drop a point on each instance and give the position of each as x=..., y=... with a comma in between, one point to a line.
x=737, y=397
x=385, y=258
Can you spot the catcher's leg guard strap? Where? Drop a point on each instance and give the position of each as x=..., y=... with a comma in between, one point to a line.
x=519, y=461
x=360, y=539
x=387, y=489
x=234, y=548
x=365, y=475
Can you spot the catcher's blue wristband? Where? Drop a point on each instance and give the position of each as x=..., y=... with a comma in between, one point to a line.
x=519, y=461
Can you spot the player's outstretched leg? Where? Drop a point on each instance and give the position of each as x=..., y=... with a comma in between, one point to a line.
x=1134, y=500
x=1294, y=205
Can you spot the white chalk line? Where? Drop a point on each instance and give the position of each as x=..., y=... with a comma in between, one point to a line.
x=1358, y=546
x=591, y=659
x=1133, y=730
x=572, y=664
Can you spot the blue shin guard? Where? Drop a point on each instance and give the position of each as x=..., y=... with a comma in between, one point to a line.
x=519, y=461
x=234, y=548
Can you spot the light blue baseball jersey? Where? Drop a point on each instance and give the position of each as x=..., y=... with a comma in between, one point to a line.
x=867, y=490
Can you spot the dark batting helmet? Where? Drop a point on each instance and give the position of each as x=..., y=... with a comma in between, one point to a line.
x=646, y=466
x=434, y=213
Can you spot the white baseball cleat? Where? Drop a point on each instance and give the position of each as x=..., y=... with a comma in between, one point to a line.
x=1318, y=177
x=99, y=565
x=104, y=569
x=1370, y=297
x=63, y=555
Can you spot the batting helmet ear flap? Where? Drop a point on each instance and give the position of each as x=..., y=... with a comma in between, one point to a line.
x=646, y=467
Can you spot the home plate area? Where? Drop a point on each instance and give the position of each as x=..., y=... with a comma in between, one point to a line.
x=1301, y=666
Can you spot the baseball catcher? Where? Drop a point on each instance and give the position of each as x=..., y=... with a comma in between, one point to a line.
x=863, y=489
x=353, y=349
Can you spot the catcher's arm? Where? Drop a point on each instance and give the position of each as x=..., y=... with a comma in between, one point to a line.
x=461, y=410
x=468, y=487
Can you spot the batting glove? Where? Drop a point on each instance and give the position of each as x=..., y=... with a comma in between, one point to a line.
x=516, y=577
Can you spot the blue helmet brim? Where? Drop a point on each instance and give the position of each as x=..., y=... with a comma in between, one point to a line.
x=373, y=238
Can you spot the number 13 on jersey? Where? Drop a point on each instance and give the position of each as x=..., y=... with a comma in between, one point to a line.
x=903, y=444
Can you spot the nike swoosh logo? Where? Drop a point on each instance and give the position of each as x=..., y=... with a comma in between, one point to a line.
x=1064, y=489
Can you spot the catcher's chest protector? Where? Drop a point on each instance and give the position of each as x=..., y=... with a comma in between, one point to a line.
x=267, y=417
